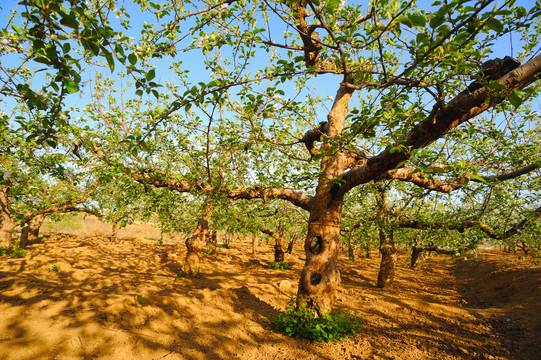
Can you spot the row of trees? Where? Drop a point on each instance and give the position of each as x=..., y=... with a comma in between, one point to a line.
x=375, y=120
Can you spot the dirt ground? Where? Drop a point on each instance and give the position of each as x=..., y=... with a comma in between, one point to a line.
x=485, y=308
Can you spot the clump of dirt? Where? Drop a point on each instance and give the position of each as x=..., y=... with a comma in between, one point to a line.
x=77, y=297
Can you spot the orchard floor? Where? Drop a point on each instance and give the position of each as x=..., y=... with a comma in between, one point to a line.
x=449, y=308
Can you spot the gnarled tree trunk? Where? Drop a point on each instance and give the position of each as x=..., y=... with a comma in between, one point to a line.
x=320, y=276
x=30, y=232
x=194, y=245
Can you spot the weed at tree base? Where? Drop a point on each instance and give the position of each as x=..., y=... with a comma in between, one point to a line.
x=300, y=322
x=140, y=299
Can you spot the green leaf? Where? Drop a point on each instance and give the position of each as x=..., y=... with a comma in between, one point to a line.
x=516, y=98
x=109, y=58
x=123, y=223
x=150, y=75
x=417, y=20
x=478, y=178
x=332, y=4
x=406, y=21
x=71, y=86
x=436, y=21
x=494, y=24
x=69, y=21
x=132, y=58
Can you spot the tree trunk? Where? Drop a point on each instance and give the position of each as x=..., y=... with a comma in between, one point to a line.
x=6, y=231
x=6, y=223
x=388, y=260
x=351, y=252
x=320, y=276
x=114, y=233
x=278, y=253
x=254, y=243
x=351, y=248
x=290, y=246
x=30, y=232
x=415, y=253
x=279, y=245
x=212, y=240
x=194, y=245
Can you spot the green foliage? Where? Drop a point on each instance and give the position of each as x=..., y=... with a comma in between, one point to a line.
x=54, y=268
x=300, y=322
x=12, y=251
x=225, y=246
x=140, y=299
x=281, y=265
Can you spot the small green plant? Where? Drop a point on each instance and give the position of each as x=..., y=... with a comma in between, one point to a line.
x=225, y=246
x=181, y=274
x=281, y=265
x=140, y=299
x=300, y=322
x=209, y=251
x=12, y=251
x=351, y=259
x=54, y=268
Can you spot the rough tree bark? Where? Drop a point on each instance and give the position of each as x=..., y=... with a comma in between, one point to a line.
x=194, y=245
x=6, y=223
x=387, y=246
x=388, y=259
x=30, y=232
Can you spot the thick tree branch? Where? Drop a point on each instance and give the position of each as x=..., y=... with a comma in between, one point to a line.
x=159, y=179
x=460, y=109
x=461, y=225
x=421, y=179
x=66, y=206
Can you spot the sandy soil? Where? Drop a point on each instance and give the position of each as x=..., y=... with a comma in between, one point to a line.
x=449, y=308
